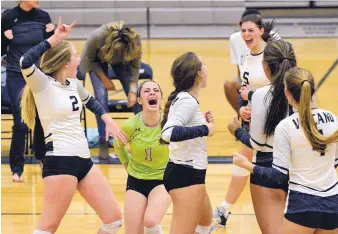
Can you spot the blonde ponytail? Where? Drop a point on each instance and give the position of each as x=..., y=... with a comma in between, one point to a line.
x=28, y=111
x=300, y=84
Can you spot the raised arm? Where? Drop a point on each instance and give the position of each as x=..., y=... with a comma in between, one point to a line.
x=35, y=78
x=174, y=130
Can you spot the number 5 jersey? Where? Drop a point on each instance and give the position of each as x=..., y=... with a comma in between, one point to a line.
x=148, y=158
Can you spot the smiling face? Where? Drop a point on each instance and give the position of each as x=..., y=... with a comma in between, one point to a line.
x=251, y=34
x=150, y=96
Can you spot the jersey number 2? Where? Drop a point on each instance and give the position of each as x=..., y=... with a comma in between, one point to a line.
x=74, y=103
x=148, y=154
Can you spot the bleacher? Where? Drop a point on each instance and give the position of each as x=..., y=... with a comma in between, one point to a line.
x=195, y=19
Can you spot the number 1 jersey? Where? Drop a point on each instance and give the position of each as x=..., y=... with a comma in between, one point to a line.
x=148, y=158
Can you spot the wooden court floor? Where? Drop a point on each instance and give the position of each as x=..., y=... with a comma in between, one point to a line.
x=21, y=203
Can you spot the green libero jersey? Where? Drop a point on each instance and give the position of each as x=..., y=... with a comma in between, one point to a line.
x=148, y=159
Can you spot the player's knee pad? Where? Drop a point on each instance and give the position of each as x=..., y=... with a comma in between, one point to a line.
x=112, y=228
x=238, y=171
x=36, y=231
x=202, y=229
x=153, y=230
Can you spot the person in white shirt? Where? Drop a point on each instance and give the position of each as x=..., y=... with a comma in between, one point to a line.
x=185, y=128
x=268, y=107
x=305, y=150
x=238, y=50
x=256, y=34
x=67, y=166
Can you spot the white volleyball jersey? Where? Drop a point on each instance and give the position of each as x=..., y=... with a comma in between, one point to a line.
x=260, y=102
x=184, y=111
x=59, y=107
x=252, y=71
x=310, y=172
x=238, y=48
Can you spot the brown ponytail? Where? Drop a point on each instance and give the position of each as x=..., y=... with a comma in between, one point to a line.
x=184, y=71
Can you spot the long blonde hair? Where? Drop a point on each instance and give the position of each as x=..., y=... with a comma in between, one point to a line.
x=120, y=40
x=300, y=84
x=52, y=61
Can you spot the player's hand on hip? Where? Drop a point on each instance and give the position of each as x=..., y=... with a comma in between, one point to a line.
x=9, y=34
x=233, y=125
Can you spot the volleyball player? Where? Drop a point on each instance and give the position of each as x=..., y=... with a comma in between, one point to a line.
x=255, y=33
x=185, y=128
x=67, y=166
x=146, y=198
x=269, y=106
x=306, y=150
x=238, y=50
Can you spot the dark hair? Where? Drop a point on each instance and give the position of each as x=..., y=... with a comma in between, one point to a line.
x=183, y=71
x=250, y=12
x=280, y=57
x=301, y=85
x=138, y=94
x=257, y=19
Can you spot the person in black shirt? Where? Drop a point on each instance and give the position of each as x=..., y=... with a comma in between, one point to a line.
x=22, y=27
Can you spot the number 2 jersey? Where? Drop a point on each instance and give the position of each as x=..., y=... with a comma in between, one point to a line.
x=148, y=158
x=59, y=107
x=310, y=171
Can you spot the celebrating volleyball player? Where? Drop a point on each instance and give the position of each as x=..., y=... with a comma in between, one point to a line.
x=305, y=149
x=185, y=128
x=67, y=167
x=146, y=198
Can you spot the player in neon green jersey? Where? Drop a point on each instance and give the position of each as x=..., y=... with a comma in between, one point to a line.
x=146, y=198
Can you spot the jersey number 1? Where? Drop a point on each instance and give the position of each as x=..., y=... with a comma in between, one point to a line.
x=74, y=103
x=148, y=154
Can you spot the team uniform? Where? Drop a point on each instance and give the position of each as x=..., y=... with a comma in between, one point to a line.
x=238, y=48
x=312, y=199
x=257, y=139
x=59, y=108
x=186, y=133
x=148, y=158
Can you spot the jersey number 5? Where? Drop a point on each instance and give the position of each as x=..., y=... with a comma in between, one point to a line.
x=74, y=103
x=148, y=154
x=246, y=77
